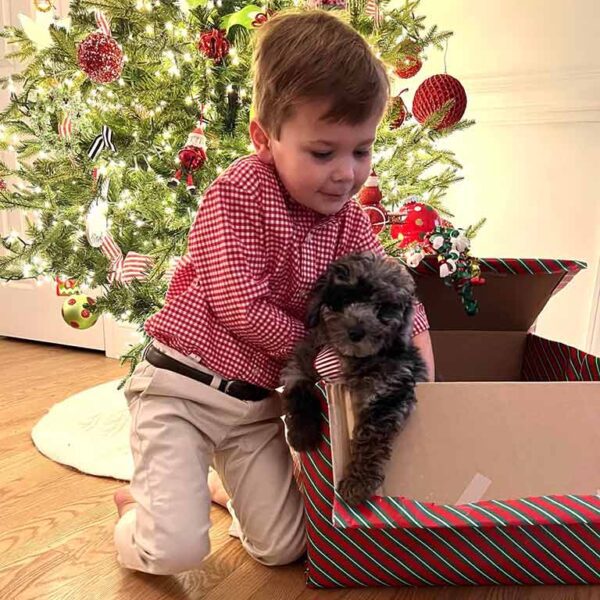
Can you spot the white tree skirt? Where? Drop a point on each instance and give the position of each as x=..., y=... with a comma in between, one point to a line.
x=89, y=431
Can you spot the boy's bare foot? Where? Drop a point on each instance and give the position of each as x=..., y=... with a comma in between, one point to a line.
x=217, y=492
x=123, y=500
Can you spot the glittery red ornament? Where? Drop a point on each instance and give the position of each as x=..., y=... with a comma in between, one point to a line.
x=413, y=222
x=100, y=58
x=370, y=194
x=433, y=93
x=408, y=66
x=213, y=44
x=370, y=197
x=409, y=63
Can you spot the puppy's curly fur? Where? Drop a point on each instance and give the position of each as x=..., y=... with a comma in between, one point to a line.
x=363, y=307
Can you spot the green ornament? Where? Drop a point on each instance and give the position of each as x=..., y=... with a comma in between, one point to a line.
x=77, y=311
x=244, y=17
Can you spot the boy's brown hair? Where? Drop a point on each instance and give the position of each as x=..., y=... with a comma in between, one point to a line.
x=314, y=55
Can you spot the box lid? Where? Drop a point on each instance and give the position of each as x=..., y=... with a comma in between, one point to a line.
x=515, y=293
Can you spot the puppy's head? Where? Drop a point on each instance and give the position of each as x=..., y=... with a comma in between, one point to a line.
x=362, y=303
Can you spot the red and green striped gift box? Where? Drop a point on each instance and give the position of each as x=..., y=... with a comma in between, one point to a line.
x=399, y=541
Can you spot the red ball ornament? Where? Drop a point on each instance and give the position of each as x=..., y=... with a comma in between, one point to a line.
x=413, y=223
x=377, y=216
x=213, y=44
x=433, y=93
x=100, y=58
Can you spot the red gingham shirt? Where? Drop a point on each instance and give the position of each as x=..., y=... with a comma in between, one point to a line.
x=236, y=301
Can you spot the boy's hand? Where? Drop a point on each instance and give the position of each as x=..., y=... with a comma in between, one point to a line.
x=303, y=416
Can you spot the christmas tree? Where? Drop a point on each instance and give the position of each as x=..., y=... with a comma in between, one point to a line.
x=120, y=113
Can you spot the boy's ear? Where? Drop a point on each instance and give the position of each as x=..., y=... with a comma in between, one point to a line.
x=261, y=142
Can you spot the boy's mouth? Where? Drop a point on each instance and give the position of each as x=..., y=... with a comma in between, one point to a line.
x=335, y=197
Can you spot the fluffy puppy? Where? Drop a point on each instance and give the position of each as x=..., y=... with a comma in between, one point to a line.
x=362, y=307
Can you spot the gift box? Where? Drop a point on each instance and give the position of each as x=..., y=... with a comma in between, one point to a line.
x=495, y=479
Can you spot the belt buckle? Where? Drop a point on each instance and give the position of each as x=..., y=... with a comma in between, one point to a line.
x=228, y=385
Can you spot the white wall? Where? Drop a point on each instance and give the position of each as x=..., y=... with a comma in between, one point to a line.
x=531, y=69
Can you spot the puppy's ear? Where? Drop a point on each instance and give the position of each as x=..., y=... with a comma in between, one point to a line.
x=313, y=316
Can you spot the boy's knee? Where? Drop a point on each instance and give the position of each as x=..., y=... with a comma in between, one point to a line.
x=282, y=552
x=177, y=554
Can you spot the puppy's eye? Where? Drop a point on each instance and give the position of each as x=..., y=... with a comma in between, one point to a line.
x=335, y=306
x=342, y=273
x=386, y=312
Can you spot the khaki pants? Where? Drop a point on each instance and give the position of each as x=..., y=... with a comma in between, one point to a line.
x=179, y=426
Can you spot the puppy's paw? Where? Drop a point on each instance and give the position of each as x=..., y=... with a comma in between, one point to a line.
x=355, y=489
x=303, y=430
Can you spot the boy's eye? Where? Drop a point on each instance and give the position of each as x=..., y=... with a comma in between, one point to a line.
x=363, y=153
x=321, y=155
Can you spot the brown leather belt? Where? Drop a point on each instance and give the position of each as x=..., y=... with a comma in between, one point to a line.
x=238, y=389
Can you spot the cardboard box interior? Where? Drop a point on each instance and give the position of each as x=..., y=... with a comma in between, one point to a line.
x=467, y=442
x=487, y=435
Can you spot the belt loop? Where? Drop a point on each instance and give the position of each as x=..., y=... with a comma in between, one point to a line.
x=215, y=382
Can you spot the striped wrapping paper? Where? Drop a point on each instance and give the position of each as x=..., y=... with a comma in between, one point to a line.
x=391, y=541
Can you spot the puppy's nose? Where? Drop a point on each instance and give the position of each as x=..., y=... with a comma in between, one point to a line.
x=356, y=333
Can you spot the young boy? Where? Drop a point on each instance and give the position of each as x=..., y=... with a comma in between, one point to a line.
x=266, y=229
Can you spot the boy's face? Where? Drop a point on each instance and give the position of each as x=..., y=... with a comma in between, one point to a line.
x=322, y=164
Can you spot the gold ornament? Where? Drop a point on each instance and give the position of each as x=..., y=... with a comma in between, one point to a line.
x=43, y=5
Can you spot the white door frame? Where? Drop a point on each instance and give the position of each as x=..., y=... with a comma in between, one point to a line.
x=593, y=341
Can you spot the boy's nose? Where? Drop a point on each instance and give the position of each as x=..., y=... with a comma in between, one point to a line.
x=343, y=172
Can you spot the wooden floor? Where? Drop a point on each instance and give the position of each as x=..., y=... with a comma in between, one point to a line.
x=56, y=523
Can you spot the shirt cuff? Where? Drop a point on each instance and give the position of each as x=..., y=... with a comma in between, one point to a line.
x=328, y=365
x=420, y=322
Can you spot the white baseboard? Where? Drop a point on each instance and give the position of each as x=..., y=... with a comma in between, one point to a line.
x=119, y=337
